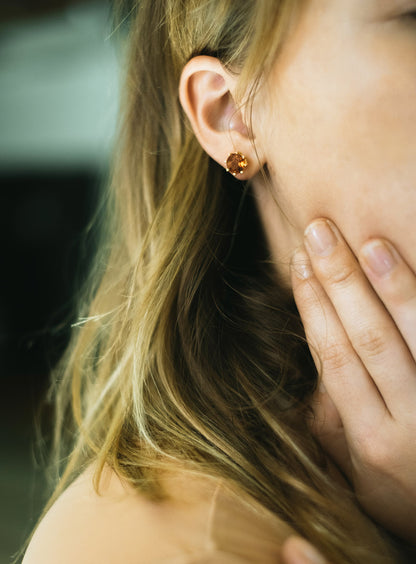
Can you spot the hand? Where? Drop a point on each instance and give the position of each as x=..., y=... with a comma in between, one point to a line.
x=360, y=322
x=296, y=550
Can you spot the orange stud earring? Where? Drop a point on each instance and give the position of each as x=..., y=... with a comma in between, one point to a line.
x=236, y=163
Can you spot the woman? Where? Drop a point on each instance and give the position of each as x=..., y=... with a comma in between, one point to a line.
x=189, y=380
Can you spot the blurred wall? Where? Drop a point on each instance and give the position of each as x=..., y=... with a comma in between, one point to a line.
x=58, y=106
x=58, y=89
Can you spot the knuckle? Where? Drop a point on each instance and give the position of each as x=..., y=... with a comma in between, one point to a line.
x=343, y=275
x=335, y=358
x=374, y=453
x=371, y=341
x=404, y=304
x=374, y=450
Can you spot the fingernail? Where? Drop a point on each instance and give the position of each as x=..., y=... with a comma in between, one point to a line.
x=379, y=257
x=300, y=264
x=320, y=237
x=311, y=555
x=307, y=554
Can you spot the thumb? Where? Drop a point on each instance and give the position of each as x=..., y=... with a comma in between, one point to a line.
x=296, y=550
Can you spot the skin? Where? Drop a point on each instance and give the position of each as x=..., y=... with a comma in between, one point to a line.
x=297, y=551
x=364, y=410
x=343, y=95
x=335, y=125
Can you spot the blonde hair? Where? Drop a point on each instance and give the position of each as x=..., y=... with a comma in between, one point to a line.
x=187, y=349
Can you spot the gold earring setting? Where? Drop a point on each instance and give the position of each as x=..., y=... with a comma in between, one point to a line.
x=236, y=163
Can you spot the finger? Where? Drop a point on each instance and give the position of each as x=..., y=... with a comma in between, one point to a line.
x=395, y=284
x=370, y=329
x=296, y=550
x=344, y=376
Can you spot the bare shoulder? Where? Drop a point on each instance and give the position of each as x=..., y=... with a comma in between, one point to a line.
x=199, y=523
x=112, y=526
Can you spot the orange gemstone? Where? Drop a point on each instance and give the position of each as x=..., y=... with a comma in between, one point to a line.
x=236, y=163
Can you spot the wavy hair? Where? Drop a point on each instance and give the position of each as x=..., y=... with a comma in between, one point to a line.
x=188, y=348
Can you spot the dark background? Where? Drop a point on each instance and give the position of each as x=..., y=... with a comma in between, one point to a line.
x=58, y=101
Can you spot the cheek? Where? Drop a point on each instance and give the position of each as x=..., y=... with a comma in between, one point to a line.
x=344, y=146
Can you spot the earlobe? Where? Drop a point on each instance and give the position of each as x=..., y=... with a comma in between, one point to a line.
x=206, y=94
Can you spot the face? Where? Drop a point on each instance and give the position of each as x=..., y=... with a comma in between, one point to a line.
x=336, y=123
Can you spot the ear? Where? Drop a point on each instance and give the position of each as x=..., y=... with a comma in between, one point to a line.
x=206, y=94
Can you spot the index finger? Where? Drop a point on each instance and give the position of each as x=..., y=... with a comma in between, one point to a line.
x=348, y=383
x=370, y=328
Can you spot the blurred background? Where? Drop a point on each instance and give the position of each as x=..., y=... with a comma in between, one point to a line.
x=58, y=104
